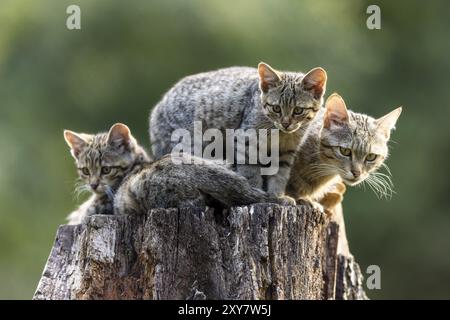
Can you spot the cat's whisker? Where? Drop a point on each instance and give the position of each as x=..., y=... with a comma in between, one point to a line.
x=363, y=185
x=265, y=125
x=336, y=170
x=386, y=179
x=381, y=184
x=381, y=174
x=378, y=189
x=374, y=188
x=393, y=141
x=79, y=190
x=319, y=174
x=386, y=167
x=322, y=170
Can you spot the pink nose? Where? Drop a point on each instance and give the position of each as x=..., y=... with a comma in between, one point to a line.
x=356, y=173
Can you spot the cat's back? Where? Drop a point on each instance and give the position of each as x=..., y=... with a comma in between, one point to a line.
x=210, y=88
x=219, y=99
x=231, y=75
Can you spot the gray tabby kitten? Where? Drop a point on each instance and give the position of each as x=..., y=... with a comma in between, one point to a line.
x=243, y=98
x=119, y=173
x=103, y=160
x=341, y=145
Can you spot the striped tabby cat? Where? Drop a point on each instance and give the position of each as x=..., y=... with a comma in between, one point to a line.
x=243, y=98
x=341, y=145
x=103, y=160
x=123, y=180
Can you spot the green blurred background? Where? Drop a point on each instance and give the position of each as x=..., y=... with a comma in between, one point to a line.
x=129, y=53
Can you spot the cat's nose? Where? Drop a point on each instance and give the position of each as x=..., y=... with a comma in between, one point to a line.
x=356, y=173
x=285, y=124
x=94, y=186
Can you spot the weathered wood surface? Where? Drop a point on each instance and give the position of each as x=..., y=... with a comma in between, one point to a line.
x=264, y=251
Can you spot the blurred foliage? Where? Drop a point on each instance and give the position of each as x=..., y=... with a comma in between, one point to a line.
x=129, y=53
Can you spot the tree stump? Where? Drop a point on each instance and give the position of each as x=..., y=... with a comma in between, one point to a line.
x=263, y=251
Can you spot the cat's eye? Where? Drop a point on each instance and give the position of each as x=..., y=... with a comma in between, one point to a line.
x=276, y=109
x=85, y=171
x=345, y=151
x=298, y=111
x=106, y=170
x=371, y=157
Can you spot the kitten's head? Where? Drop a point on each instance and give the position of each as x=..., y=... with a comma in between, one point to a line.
x=355, y=144
x=104, y=159
x=291, y=100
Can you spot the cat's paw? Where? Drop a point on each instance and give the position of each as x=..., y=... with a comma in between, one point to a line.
x=339, y=187
x=331, y=200
x=317, y=206
x=286, y=201
x=311, y=203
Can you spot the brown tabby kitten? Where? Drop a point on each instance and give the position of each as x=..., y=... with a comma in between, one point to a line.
x=103, y=161
x=341, y=145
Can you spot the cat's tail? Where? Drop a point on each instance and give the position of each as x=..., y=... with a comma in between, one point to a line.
x=186, y=181
x=215, y=179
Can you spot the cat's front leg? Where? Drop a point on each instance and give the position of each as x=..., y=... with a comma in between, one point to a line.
x=333, y=197
x=276, y=184
x=129, y=198
x=92, y=206
x=76, y=217
x=84, y=210
x=254, y=177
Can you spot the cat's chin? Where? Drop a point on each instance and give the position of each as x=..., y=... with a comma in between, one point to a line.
x=352, y=183
x=99, y=191
x=288, y=131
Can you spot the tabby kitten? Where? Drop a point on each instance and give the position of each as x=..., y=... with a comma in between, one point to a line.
x=243, y=98
x=103, y=161
x=341, y=145
x=121, y=176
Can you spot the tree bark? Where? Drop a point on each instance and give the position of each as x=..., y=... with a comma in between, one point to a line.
x=263, y=251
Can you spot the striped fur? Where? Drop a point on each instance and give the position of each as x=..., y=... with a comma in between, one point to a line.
x=242, y=98
x=135, y=184
x=320, y=162
x=103, y=160
x=195, y=183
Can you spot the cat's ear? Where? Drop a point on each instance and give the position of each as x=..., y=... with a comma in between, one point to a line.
x=387, y=123
x=315, y=81
x=75, y=141
x=119, y=135
x=268, y=77
x=336, y=113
